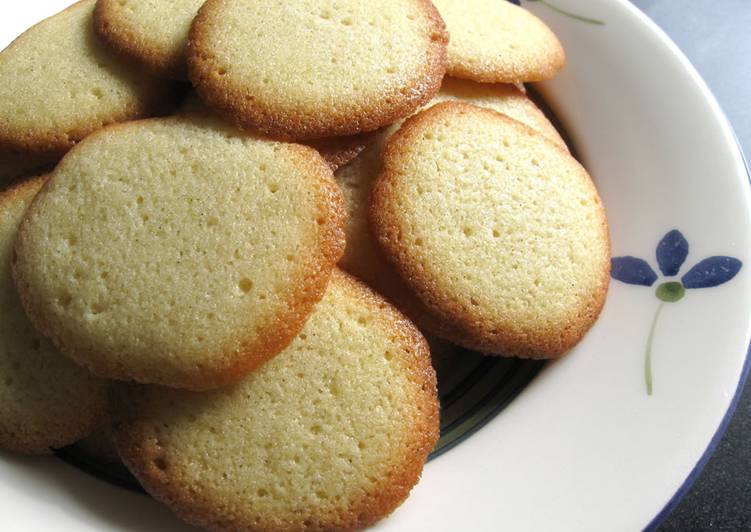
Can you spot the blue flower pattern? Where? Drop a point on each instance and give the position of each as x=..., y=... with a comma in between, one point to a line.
x=671, y=254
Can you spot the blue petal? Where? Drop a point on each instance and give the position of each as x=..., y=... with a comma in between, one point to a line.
x=632, y=271
x=672, y=252
x=711, y=272
x=517, y=2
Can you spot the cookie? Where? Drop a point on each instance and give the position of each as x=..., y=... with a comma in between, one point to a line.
x=179, y=251
x=46, y=401
x=330, y=435
x=354, y=65
x=60, y=84
x=151, y=34
x=499, y=232
x=362, y=257
x=495, y=41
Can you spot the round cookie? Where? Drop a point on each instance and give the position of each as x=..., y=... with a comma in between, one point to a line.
x=151, y=34
x=60, y=84
x=496, y=41
x=354, y=65
x=500, y=233
x=179, y=251
x=46, y=401
x=332, y=434
x=362, y=257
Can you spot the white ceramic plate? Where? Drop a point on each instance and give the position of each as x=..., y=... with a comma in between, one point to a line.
x=584, y=446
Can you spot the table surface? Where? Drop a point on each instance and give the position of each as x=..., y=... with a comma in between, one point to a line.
x=716, y=37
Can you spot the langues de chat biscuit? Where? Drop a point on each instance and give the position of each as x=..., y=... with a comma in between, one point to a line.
x=179, y=251
x=360, y=65
x=332, y=434
x=499, y=231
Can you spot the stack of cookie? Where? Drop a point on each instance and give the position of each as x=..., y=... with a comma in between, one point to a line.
x=176, y=279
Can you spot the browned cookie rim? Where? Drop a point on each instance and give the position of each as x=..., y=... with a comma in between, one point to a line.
x=140, y=451
x=131, y=46
x=54, y=144
x=253, y=352
x=440, y=314
x=239, y=106
x=338, y=151
x=490, y=73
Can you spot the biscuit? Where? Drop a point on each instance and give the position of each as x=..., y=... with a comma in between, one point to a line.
x=362, y=257
x=354, y=65
x=60, y=84
x=499, y=232
x=150, y=34
x=46, y=401
x=496, y=41
x=332, y=434
x=179, y=251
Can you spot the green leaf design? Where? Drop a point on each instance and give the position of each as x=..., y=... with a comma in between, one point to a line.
x=670, y=292
x=648, y=352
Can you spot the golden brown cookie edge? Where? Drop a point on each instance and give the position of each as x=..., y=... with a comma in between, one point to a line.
x=234, y=104
x=441, y=316
x=53, y=145
x=128, y=45
x=138, y=446
x=231, y=366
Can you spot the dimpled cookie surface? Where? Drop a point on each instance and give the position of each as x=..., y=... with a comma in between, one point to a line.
x=306, y=69
x=179, y=251
x=60, y=84
x=151, y=33
x=499, y=231
x=362, y=257
x=499, y=42
x=330, y=435
x=501, y=97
